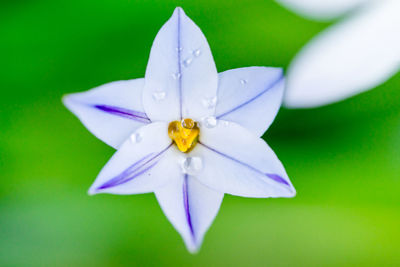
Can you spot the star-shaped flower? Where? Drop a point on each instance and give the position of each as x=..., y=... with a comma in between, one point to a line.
x=185, y=132
x=348, y=58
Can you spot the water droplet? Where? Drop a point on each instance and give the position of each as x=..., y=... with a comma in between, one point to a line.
x=196, y=52
x=179, y=49
x=209, y=102
x=187, y=62
x=159, y=95
x=136, y=138
x=176, y=76
x=188, y=123
x=243, y=81
x=210, y=122
x=192, y=165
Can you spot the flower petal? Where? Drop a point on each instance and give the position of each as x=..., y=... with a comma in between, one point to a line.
x=111, y=111
x=142, y=164
x=317, y=9
x=190, y=207
x=250, y=97
x=180, y=73
x=347, y=59
x=237, y=162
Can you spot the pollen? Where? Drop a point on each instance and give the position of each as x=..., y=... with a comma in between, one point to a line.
x=184, y=133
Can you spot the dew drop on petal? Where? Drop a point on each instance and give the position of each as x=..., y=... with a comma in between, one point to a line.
x=159, y=95
x=136, y=138
x=243, y=81
x=188, y=123
x=209, y=102
x=210, y=122
x=187, y=62
x=176, y=76
x=179, y=49
x=196, y=52
x=192, y=165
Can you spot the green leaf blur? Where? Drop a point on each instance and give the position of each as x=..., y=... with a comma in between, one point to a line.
x=343, y=159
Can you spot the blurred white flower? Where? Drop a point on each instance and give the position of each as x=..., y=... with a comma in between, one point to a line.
x=185, y=132
x=352, y=56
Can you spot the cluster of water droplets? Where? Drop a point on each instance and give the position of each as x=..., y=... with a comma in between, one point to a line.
x=209, y=102
x=159, y=95
x=194, y=53
x=192, y=165
x=176, y=75
x=209, y=122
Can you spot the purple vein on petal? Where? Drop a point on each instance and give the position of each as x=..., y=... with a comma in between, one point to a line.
x=275, y=177
x=179, y=49
x=123, y=112
x=269, y=87
x=185, y=192
x=136, y=169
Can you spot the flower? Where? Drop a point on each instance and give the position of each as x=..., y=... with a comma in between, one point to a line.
x=185, y=132
x=348, y=58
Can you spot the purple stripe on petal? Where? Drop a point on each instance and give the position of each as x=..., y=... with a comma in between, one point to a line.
x=123, y=112
x=273, y=177
x=270, y=86
x=186, y=204
x=277, y=178
x=138, y=168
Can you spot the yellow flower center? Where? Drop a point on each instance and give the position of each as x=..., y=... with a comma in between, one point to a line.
x=185, y=134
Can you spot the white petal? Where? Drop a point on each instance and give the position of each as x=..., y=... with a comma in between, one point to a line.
x=141, y=164
x=322, y=9
x=111, y=111
x=250, y=97
x=237, y=162
x=190, y=207
x=347, y=59
x=180, y=73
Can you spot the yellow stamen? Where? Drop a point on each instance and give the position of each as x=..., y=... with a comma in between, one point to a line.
x=184, y=133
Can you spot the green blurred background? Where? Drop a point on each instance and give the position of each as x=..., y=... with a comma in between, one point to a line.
x=344, y=159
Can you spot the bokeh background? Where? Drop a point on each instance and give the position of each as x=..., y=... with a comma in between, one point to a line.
x=344, y=159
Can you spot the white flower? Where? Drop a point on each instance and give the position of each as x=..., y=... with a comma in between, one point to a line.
x=185, y=132
x=348, y=58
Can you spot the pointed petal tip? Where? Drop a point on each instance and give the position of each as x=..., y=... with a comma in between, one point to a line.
x=179, y=9
x=293, y=191
x=194, y=251
x=69, y=100
x=193, y=248
x=93, y=191
x=65, y=99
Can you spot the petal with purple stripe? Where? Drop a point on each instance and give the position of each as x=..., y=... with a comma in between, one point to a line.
x=240, y=163
x=111, y=111
x=140, y=166
x=185, y=191
x=181, y=72
x=190, y=207
x=123, y=112
x=250, y=97
x=136, y=169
